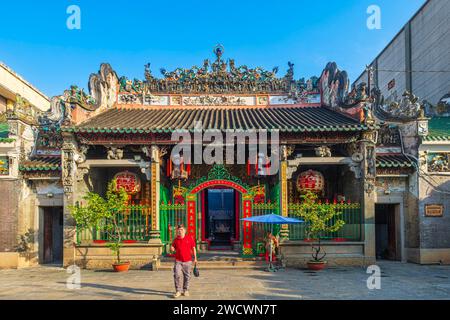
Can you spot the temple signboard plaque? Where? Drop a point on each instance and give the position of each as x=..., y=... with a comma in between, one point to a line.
x=434, y=210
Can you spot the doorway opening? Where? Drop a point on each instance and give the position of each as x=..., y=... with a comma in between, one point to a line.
x=220, y=217
x=387, y=231
x=52, y=235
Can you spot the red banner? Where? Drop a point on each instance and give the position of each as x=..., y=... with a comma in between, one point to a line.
x=247, y=241
x=191, y=219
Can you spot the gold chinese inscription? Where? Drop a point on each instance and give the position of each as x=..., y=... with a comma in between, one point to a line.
x=434, y=210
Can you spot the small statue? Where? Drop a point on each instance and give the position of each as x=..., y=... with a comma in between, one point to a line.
x=323, y=151
x=148, y=72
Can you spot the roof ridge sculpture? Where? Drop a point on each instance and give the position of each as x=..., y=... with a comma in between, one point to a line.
x=220, y=76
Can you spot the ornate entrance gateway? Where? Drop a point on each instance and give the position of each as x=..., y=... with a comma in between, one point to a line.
x=194, y=203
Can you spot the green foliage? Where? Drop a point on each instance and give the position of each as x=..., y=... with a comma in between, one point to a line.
x=319, y=218
x=96, y=211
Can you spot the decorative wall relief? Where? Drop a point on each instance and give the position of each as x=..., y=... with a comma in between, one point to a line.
x=44, y=187
x=438, y=162
x=22, y=110
x=129, y=99
x=323, y=151
x=388, y=185
x=114, y=153
x=156, y=100
x=68, y=167
x=4, y=166
x=218, y=101
x=371, y=166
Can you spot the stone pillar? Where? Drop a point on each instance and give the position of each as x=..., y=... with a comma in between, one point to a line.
x=68, y=168
x=368, y=175
x=155, y=183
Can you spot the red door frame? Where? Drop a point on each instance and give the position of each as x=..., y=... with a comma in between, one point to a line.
x=217, y=183
x=237, y=211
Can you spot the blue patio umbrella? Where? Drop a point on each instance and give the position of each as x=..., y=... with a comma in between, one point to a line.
x=272, y=219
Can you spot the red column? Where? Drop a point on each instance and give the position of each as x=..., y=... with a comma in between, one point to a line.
x=203, y=216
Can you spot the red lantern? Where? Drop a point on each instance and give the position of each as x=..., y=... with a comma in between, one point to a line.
x=129, y=181
x=311, y=181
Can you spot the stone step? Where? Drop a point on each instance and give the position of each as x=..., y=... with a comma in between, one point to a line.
x=220, y=265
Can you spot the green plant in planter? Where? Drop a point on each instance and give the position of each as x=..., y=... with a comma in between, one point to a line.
x=98, y=211
x=318, y=219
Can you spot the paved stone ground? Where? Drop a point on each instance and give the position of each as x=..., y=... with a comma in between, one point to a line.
x=398, y=281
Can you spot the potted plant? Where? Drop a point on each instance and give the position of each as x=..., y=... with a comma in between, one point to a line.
x=319, y=219
x=102, y=211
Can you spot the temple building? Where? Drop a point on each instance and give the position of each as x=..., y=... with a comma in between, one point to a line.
x=356, y=152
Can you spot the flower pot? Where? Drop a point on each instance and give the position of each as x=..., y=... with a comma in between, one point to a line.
x=129, y=241
x=316, y=265
x=121, y=267
x=310, y=240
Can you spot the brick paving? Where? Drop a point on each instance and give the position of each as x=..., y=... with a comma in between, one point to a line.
x=398, y=281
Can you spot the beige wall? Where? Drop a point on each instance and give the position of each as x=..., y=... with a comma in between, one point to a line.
x=2, y=104
x=12, y=84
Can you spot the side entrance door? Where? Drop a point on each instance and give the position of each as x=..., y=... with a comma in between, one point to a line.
x=52, y=235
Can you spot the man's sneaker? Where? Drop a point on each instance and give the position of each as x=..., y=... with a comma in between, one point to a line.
x=177, y=294
x=186, y=293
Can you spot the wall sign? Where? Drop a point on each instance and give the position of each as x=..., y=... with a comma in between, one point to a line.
x=391, y=84
x=434, y=210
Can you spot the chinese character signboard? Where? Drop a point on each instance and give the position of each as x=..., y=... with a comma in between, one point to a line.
x=434, y=210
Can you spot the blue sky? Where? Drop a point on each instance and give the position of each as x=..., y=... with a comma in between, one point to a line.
x=36, y=43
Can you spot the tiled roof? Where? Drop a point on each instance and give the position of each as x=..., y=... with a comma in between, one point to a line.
x=299, y=119
x=41, y=164
x=393, y=160
x=438, y=129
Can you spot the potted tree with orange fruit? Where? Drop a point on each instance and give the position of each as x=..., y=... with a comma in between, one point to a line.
x=98, y=211
x=319, y=219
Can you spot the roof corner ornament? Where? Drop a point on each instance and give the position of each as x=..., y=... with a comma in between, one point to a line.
x=407, y=109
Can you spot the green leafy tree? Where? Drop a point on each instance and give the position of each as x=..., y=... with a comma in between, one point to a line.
x=98, y=211
x=319, y=219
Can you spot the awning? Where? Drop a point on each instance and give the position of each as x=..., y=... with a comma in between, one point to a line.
x=41, y=164
x=297, y=119
x=393, y=161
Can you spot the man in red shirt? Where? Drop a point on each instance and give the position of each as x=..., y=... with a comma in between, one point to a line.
x=184, y=247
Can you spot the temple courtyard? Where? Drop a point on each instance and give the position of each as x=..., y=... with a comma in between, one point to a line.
x=398, y=281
